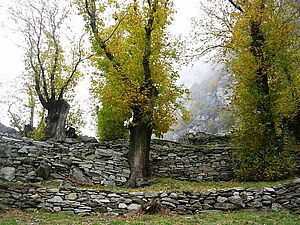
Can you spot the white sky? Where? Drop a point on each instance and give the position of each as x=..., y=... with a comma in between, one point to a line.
x=11, y=64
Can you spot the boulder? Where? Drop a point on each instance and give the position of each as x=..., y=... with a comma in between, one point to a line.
x=79, y=176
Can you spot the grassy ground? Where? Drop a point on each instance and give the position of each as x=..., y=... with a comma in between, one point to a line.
x=15, y=217
x=169, y=184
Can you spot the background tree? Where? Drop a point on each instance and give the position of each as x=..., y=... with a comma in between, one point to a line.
x=53, y=68
x=137, y=81
x=260, y=42
x=110, y=126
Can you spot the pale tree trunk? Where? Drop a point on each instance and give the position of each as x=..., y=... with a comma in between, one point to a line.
x=139, y=149
x=31, y=117
x=56, y=120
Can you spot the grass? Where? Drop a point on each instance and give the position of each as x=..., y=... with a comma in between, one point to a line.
x=169, y=184
x=16, y=217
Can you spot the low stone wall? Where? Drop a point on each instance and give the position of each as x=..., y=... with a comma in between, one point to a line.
x=192, y=162
x=88, y=201
x=88, y=162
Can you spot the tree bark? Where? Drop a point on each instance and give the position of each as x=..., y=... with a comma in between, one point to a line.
x=264, y=103
x=139, y=149
x=56, y=120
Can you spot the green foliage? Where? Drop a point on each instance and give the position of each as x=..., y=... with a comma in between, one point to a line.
x=260, y=45
x=264, y=162
x=38, y=134
x=262, y=106
x=124, y=56
x=75, y=118
x=110, y=127
x=52, y=58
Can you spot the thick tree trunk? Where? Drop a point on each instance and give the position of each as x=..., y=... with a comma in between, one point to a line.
x=139, y=148
x=264, y=103
x=56, y=120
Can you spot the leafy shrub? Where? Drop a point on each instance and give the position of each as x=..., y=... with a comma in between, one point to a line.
x=110, y=127
x=262, y=161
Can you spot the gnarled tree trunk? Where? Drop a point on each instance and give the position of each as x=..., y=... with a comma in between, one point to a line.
x=139, y=149
x=56, y=120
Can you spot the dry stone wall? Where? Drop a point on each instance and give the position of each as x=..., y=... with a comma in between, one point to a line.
x=89, y=201
x=89, y=162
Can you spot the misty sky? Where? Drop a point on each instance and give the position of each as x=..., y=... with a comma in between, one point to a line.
x=11, y=64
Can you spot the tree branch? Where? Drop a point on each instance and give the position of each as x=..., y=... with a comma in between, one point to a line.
x=116, y=27
x=236, y=6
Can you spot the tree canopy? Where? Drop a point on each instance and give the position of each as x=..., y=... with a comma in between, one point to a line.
x=136, y=79
x=51, y=58
x=260, y=44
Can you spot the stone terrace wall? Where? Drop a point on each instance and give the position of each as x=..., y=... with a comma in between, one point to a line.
x=87, y=201
x=89, y=162
x=192, y=162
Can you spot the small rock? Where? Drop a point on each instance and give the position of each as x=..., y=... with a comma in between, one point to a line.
x=104, y=200
x=111, y=214
x=269, y=189
x=236, y=200
x=55, y=199
x=134, y=207
x=122, y=206
x=255, y=204
x=43, y=170
x=276, y=207
x=57, y=209
x=221, y=199
x=108, y=183
x=297, y=181
x=8, y=173
x=225, y=206
x=72, y=196
x=23, y=150
x=79, y=176
x=45, y=205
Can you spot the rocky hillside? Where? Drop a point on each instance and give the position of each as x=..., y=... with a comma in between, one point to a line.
x=209, y=108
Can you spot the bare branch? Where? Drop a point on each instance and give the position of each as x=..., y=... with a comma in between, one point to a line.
x=116, y=28
x=236, y=6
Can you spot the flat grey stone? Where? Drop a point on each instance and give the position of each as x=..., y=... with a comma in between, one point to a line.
x=225, y=206
x=221, y=199
x=8, y=173
x=255, y=204
x=297, y=181
x=104, y=200
x=236, y=200
x=122, y=206
x=134, y=207
x=269, y=189
x=79, y=176
x=23, y=150
x=111, y=214
x=72, y=196
x=45, y=205
x=276, y=207
x=55, y=199
x=57, y=209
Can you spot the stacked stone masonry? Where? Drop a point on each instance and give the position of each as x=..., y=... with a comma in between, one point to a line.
x=88, y=162
x=89, y=201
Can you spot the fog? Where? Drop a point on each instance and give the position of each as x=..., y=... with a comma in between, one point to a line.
x=11, y=64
